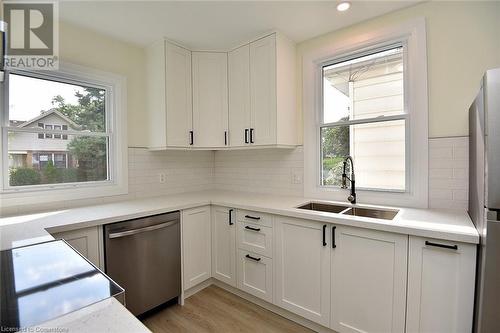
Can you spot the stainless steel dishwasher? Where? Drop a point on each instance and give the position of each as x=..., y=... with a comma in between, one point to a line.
x=144, y=257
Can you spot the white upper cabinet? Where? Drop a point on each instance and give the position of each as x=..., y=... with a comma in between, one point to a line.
x=210, y=99
x=441, y=277
x=239, y=96
x=169, y=95
x=368, y=280
x=262, y=108
x=263, y=91
x=216, y=100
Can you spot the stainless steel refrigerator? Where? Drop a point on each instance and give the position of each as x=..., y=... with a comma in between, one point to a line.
x=484, y=199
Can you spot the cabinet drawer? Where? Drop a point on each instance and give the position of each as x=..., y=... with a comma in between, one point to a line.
x=256, y=238
x=255, y=274
x=255, y=217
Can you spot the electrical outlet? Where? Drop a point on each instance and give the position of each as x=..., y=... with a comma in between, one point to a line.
x=297, y=176
x=163, y=177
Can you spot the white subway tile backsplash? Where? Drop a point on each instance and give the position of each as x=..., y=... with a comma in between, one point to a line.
x=260, y=170
x=449, y=173
x=271, y=171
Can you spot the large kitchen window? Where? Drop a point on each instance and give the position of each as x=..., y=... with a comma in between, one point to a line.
x=364, y=116
x=367, y=97
x=62, y=131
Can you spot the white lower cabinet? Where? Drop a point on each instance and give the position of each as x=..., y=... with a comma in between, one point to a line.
x=86, y=241
x=255, y=274
x=441, y=277
x=368, y=279
x=224, y=245
x=302, y=275
x=349, y=279
x=196, y=246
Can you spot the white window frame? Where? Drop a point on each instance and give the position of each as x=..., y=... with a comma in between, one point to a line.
x=116, y=126
x=413, y=35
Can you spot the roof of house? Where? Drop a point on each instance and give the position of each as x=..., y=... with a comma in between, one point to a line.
x=46, y=114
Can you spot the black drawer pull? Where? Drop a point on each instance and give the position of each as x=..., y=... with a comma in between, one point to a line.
x=253, y=258
x=445, y=246
x=250, y=228
x=225, y=138
x=246, y=135
x=324, y=235
x=191, y=138
x=252, y=217
x=333, y=237
x=251, y=135
x=231, y=217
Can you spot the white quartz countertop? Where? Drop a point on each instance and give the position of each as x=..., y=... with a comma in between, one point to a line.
x=28, y=229
x=108, y=315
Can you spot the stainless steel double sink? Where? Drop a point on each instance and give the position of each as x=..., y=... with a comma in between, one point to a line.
x=376, y=213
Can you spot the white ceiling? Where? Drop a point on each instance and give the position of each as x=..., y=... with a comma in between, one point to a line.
x=217, y=25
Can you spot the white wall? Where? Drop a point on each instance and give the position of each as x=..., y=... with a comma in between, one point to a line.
x=462, y=42
x=87, y=48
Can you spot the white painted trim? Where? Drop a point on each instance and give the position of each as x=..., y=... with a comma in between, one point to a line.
x=116, y=118
x=414, y=33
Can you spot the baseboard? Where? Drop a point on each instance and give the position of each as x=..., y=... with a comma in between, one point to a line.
x=199, y=287
x=266, y=305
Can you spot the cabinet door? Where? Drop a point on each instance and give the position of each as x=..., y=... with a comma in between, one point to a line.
x=86, y=241
x=178, y=95
x=210, y=114
x=368, y=280
x=440, y=286
x=255, y=274
x=224, y=245
x=196, y=245
x=263, y=90
x=239, y=95
x=302, y=275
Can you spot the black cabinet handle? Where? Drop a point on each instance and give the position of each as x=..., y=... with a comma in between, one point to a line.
x=251, y=135
x=333, y=237
x=324, y=235
x=445, y=246
x=225, y=138
x=250, y=228
x=191, y=138
x=252, y=217
x=246, y=135
x=253, y=258
x=231, y=217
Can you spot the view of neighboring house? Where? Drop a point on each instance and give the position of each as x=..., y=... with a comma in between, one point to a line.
x=35, y=150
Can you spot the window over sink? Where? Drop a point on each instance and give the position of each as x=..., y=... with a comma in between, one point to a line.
x=364, y=116
x=367, y=97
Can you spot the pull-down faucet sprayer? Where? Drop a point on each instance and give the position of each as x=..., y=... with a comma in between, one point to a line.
x=352, y=196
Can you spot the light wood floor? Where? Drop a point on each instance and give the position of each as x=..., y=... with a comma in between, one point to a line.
x=216, y=310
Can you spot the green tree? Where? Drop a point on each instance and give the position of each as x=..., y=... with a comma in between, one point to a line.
x=89, y=115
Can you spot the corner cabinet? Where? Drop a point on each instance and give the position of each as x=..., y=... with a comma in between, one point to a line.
x=196, y=246
x=441, y=278
x=218, y=100
x=169, y=90
x=210, y=117
x=224, y=245
x=262, y=105
x=368, y=271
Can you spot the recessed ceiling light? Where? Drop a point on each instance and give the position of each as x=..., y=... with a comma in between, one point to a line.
x=343, y=6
